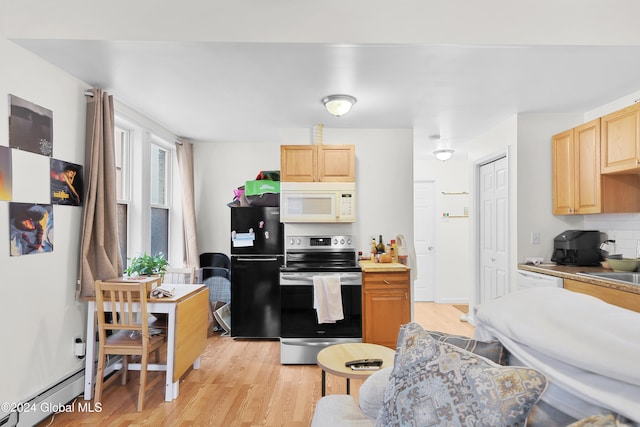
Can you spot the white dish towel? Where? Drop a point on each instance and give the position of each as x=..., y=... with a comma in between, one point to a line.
x=327, y=298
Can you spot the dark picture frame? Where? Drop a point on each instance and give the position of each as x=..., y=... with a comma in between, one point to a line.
x=30, y=228
x=6, y=177
x=66, y=183
x=30, y=127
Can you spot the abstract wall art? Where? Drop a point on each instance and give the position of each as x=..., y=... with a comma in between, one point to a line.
x=5, y=173
x=30, y=228
x=30, y=127
x=66, y=183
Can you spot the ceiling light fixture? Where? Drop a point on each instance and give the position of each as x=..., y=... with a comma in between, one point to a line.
x=338, y=105
x=444, y=154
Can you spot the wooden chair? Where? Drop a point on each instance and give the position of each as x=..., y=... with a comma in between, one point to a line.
x=184, y=275
x=130, y=331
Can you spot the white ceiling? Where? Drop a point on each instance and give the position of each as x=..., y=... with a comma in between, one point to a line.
x=250, y=91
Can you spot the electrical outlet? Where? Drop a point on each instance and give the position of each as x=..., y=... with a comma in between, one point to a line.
x=79, y=348
x=535, y=238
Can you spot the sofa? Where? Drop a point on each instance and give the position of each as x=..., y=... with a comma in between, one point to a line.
x=543, y=357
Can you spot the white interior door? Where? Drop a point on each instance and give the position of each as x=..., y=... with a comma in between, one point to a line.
x=494, y=210
x=423, y=228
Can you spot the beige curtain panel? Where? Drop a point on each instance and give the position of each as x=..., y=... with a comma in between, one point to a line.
x=184, y=152
x=100, y=252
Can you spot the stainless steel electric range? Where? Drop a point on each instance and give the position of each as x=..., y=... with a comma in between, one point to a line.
x=301, y=336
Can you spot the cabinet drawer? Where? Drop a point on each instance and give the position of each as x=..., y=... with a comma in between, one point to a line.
x=385, y=280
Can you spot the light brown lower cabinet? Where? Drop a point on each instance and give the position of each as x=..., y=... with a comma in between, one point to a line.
x=617, y=297
x=386, y=305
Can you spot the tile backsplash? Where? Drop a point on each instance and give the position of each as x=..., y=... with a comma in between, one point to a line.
x=623, y=228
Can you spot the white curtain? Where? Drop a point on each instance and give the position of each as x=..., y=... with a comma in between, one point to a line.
x=184, y=150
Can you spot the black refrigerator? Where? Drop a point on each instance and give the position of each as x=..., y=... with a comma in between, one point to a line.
x=257, y=253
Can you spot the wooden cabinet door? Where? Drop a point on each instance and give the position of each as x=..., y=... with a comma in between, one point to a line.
x=620, y=150
x=386, y=305
x=313, y=163
x=386, y=311
x=563, y=172
x=336, y=163
x=587, y=189
x=298, y=163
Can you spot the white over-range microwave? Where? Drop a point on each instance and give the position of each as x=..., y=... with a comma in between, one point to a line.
x=317, y=202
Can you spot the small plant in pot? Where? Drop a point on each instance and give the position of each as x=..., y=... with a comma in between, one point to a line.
x=147, y=265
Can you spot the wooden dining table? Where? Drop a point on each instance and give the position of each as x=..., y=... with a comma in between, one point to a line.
x=187, y=313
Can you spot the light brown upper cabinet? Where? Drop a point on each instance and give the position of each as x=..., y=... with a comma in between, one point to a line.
x=317, y=163
x=621, y=141
x=576, y=170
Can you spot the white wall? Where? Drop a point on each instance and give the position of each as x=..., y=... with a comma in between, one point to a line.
x=39, y=314
x=219, y=168
x=534, y=196
x=384, y=181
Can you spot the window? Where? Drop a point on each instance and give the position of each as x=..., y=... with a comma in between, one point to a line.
x=121, y=141
x=147, y=206
x=159, y=216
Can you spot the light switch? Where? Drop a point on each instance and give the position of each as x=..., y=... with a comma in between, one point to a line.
x=535, y=238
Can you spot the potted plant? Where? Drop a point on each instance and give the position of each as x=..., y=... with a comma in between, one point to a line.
x=147, y=265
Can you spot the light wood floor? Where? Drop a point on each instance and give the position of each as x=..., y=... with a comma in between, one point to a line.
x=239, y=383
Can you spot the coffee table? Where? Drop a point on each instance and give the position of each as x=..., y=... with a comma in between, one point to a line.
x=332, y=359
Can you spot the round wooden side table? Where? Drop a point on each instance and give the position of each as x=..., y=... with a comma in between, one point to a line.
x=332, y=359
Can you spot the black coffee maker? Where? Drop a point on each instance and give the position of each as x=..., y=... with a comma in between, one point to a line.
x=578, y=247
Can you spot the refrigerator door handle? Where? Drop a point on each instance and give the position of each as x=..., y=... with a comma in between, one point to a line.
x=257, y=259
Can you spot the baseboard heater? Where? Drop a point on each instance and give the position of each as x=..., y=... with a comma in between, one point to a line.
x=53, y=399
x=56, y=398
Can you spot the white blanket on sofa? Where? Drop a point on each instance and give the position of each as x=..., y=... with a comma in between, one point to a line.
x=589, y=350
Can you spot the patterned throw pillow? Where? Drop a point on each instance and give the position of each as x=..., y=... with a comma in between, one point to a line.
x=437, y=384
x=492, y=350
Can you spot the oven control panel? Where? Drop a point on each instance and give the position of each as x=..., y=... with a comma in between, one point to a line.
x=319, y=242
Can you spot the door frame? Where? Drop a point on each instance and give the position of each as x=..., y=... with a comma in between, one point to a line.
x=475, y=235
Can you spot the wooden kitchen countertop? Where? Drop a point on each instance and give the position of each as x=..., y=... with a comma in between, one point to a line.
x=379, y=267
x=569, y=272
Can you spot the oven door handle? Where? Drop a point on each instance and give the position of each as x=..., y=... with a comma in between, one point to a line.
x=308, y=281
x=257, y=259
x=309, y=277
x=297, y=279
x=309, y=343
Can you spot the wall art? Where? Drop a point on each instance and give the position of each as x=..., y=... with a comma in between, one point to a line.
x=30, y=127
x=31, y=228
x=5, y=173
x=66, y=183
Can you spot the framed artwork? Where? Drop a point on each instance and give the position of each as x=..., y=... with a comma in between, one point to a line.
x=30, y=228
x=5, y=173
x=66, y=183
x=30, y=127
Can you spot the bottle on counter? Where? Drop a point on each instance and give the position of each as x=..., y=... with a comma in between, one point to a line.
x=373, y=246
x=394, y=250
x=380, y=248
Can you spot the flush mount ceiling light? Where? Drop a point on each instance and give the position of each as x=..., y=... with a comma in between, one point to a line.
x=338, y=105
x=444, y=154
